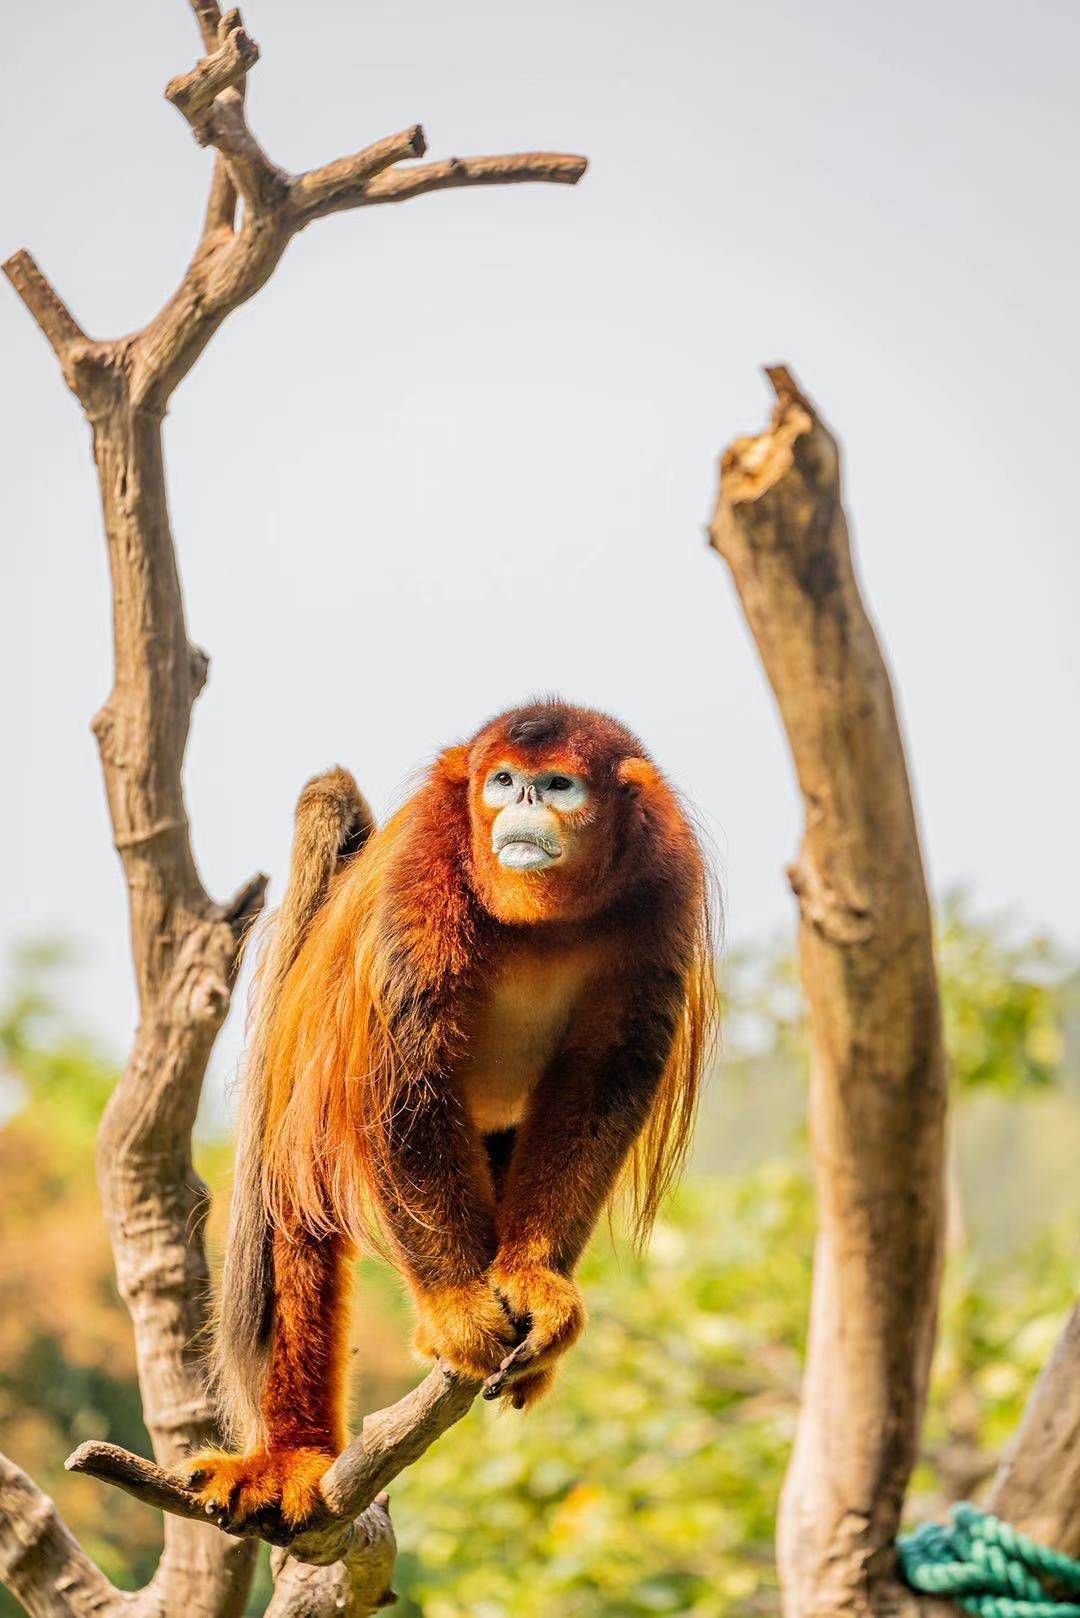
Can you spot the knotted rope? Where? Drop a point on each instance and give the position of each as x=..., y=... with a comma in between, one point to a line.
x=989, y=1568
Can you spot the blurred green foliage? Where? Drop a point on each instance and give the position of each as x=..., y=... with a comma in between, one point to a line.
x=648, y=1482
x=1004, y=997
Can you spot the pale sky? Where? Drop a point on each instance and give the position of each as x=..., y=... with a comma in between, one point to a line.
x=462, y=451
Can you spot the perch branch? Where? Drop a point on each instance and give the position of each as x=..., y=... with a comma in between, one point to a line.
x=877, y=1102
x=388, y=1442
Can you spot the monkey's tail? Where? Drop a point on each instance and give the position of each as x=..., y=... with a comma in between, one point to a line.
x=333, y=822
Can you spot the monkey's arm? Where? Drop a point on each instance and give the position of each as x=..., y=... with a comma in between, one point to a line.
x=437, y=1205
x=585, y=1117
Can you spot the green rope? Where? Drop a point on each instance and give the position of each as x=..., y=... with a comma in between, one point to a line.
x=989, y=1568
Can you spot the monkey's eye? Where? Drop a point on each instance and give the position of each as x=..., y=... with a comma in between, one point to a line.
x=565, y=793
x=498, y=789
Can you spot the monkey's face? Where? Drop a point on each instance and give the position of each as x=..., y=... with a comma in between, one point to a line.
x=533, y=826
x=538, y=844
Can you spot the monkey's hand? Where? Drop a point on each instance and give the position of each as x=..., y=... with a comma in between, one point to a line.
x=276, y=1485
x=549, y=1309
x=466, y=1327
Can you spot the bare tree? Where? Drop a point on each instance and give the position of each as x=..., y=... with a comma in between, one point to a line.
x=877, y=1095
x=184, y=944
x=878, y=1085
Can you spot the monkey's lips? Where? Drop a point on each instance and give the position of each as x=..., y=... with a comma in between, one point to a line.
x=526, y=851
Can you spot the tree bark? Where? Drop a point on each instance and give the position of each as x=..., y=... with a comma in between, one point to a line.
x=184, y=945
x=1037, y=1487
x=877, y=1102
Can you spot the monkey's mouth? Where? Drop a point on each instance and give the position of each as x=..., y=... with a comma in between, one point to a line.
x=523, y=850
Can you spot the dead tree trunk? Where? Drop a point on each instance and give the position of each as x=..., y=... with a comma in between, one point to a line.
x=184, y=945
x=877, y=1099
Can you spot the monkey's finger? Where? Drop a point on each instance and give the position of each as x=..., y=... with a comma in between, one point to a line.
x=517, y=1360
x=520, y=1323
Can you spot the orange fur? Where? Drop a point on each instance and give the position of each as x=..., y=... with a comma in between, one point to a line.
x=461, y=1062
x=466, y=1325
x=335, y=1058
x=284, y=1482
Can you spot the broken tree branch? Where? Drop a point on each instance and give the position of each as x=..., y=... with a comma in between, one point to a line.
x=398, y=185
x=49, y=310
x=877, y=1102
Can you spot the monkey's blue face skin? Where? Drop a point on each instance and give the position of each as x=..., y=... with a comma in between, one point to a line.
x=526, y=834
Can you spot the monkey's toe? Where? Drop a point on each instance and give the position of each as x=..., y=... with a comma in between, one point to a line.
x=282, y=1484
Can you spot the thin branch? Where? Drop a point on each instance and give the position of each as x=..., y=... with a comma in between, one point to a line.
x=877, y=1101
x=398, y=185
x=340, y=185
x=40, y=1561
x=49, y=310
x=221, y=203
x=208, y=18
x=193, y=94
x=389, y=1441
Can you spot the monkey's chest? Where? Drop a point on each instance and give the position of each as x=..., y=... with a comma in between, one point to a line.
x=520, y=1024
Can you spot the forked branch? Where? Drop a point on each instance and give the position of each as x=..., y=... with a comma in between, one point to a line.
x=231, y=263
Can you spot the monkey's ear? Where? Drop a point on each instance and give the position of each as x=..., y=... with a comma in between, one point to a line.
x=454, y=764
x=639, y=772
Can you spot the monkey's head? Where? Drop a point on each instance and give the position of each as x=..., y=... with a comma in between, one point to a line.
x=554, y=797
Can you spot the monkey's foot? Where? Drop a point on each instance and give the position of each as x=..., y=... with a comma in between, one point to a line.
x=549, y=1309
x=280, y=1485
x=465, y=1327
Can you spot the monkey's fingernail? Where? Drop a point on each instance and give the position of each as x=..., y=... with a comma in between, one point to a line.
x=493, y=1386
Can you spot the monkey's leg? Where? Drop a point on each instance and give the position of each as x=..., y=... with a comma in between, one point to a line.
x=303, y=1404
